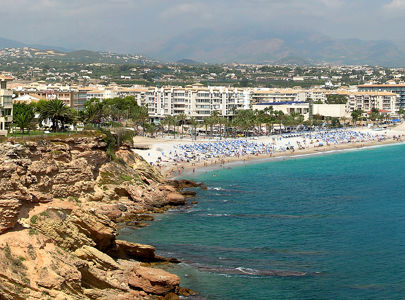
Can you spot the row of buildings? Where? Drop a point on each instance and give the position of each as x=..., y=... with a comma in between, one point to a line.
x=199, y=101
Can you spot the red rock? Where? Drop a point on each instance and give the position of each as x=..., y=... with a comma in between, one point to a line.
x=139, y=252
x=176, y=199
x=153, y=281
x=9, y=210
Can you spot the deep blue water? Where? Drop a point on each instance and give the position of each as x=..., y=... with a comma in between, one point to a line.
x=338, y=218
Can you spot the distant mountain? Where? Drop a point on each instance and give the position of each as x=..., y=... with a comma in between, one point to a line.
x=28, y=54
x=293, y=60
x=6, y=43
x=246, y=46
x=241, y=45
x=186, y=61
x=54, y=53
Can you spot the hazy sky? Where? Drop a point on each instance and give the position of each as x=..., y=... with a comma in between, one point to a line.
x=132, y=25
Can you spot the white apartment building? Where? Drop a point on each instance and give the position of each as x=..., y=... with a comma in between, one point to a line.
x=277, y=95
x=303, y=108
x=385, y=102
x=6, y=105
x=195, y=101
x=287, y=95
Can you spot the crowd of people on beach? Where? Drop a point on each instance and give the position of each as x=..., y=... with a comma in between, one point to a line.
x=237, y=148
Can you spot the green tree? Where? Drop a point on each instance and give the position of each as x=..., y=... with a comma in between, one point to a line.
x=194, y=124
x=336, y=99
x=280, y=117
x=356, y=115
x=206, y=122
x=140, y=116
x=57, y=111
x=93, y=112
x=23, y=116
x=374, y=114
x=181, y=118
x=150, y=128
x=171, y=121
x=335, y=122
x=245, y=120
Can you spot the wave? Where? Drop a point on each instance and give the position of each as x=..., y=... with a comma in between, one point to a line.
x=286, y=251
x=260, y=216
x=215, y=189
x=217, y=215
x=196, y=248
x=221, y=189
x=252, y=272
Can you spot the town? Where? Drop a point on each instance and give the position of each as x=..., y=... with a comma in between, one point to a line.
x=337, y=94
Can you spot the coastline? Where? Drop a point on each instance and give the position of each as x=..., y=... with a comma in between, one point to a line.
x=171, y=171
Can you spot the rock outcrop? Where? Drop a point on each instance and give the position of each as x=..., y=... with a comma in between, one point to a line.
x=61, y=201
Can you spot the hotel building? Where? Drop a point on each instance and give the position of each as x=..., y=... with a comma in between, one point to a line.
x=6, y=105
x=392, y=88
x=195, y=101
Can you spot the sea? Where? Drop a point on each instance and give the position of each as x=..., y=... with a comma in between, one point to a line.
x=328, y=226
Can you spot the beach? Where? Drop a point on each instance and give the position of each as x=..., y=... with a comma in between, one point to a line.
x=182, y=156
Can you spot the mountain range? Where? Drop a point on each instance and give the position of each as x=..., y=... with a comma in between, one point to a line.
x=7, y=43
x=243, y=45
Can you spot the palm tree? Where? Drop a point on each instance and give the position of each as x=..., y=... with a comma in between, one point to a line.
x=279, y=117
x=245, y=120
x=194, y=124
x=172, y=121
x=164, y=122
x=23, y=116
x=343, y=119
x=260, y=118
x=141, y=116
x=57, y=111
x=222, y=121
x=206, y=122
x=94, y=112
x=181, y=118
x=356, y=115
x=215, y=119
x=151, y=129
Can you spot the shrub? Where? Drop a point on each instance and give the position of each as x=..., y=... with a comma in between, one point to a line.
x=32, y=231
x=34, y=219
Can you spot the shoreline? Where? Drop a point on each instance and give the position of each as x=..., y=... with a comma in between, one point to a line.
x=191, y=168
x=343, y=148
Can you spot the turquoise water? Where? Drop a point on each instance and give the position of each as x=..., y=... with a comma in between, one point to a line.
x=320, y=227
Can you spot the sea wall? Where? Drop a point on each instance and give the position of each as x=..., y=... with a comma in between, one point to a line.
x=61, y=202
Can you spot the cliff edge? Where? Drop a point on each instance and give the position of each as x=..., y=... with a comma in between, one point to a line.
x=61, y=200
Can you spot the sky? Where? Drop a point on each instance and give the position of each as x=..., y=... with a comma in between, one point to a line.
x=136, y=25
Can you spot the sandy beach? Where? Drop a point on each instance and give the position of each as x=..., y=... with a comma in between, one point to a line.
x=164, y=153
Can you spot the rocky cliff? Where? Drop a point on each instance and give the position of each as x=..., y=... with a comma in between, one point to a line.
x=61, y=200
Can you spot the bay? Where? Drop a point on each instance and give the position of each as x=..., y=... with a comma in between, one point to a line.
x=321, y=227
